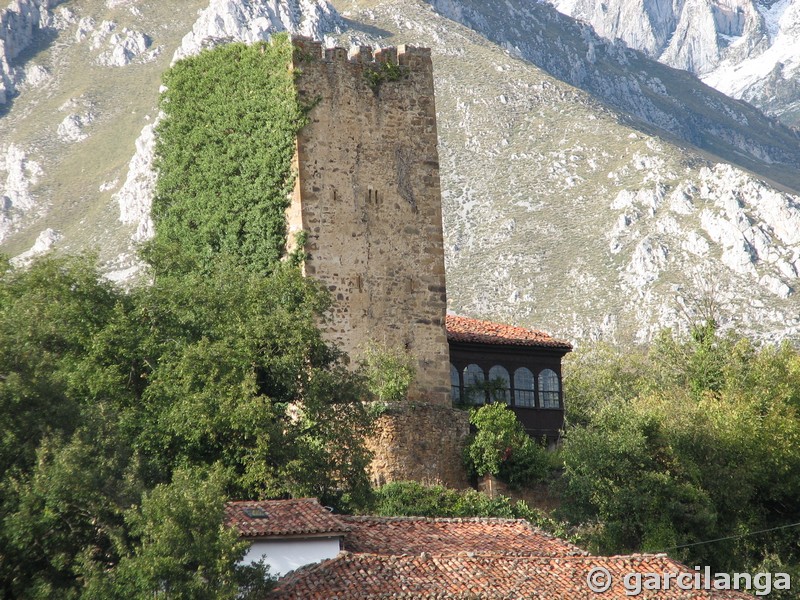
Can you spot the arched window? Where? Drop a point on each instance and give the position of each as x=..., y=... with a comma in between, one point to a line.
x=523, y=388
x=549, y=389
x=455, y=384
x=500, y=385
x=474, y=389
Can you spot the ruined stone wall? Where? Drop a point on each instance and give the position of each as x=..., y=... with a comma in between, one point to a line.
x=422, y=442
x=368, y=197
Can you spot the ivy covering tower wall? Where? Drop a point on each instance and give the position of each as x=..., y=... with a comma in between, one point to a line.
x=224, y=158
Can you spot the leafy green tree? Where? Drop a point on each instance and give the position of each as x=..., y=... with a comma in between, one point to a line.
x=599, y=374
x=180, y=547
x=126, y=390
x=244, y=377
x=501, y=447
x=62, y=458
x=691, y=440
x=623, y=471
x=49, y=317
x=389, y=372
x=67, y=511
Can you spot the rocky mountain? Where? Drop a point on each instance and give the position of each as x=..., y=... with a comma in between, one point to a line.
x=646, y=92
x=747, y=49
x=588, y=190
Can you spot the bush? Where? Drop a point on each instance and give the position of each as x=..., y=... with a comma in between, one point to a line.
x=389, y=372
x=692, y=439
x=500, y=447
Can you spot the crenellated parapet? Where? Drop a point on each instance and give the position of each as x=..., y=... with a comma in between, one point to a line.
x=409, y=57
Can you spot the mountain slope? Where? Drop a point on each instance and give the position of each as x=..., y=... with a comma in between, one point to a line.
x=747, y=49
x=560, y=214
x=651, y=93
x=561, y=211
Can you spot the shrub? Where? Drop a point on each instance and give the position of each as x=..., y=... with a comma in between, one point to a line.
x=413, y=499
x=389, y=372
x=500, y=447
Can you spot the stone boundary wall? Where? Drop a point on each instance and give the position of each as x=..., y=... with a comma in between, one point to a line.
x=420, y=442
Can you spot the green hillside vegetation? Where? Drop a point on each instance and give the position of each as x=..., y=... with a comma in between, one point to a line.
x=687, y=441
x=224, y=157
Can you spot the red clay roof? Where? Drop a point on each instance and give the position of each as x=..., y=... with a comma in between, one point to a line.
x=415, y=535
x=465, y=329
x=488, y=577
x=298, y=517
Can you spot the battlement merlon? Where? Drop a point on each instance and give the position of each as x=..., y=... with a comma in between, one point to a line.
x=411, y=57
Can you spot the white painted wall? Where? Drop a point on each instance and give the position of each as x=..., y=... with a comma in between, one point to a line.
x=286, y=555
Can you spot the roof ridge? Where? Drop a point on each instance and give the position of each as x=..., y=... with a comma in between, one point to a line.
x=349, y=555
x=308, y=499
x=490, y=322
x=468, y=329
x=436, y=519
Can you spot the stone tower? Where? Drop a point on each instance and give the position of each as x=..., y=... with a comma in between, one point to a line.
x=368, y=197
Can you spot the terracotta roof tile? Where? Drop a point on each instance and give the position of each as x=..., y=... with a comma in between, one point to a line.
x=415, y=535
x=302, y=516
x=465, y=329
x=484, y=576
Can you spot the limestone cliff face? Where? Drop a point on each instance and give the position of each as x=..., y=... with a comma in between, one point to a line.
x=748, y=49
x=253, y=20
x=695, y=35
x=642, y=89
x=19, y=24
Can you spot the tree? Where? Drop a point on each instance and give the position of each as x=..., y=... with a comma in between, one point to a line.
x=110, y=395
x=180, y=548
x=691, y=440
x=49, y=317
x=501, y=447
x=243, y=376
x=66, y=512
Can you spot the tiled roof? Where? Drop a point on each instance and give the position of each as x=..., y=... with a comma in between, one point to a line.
x=415, y=535
x=488, y=577
x=298, y=517
x=464, y=329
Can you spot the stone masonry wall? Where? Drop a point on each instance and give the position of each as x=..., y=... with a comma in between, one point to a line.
x=422, y=442
x=367, y=195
